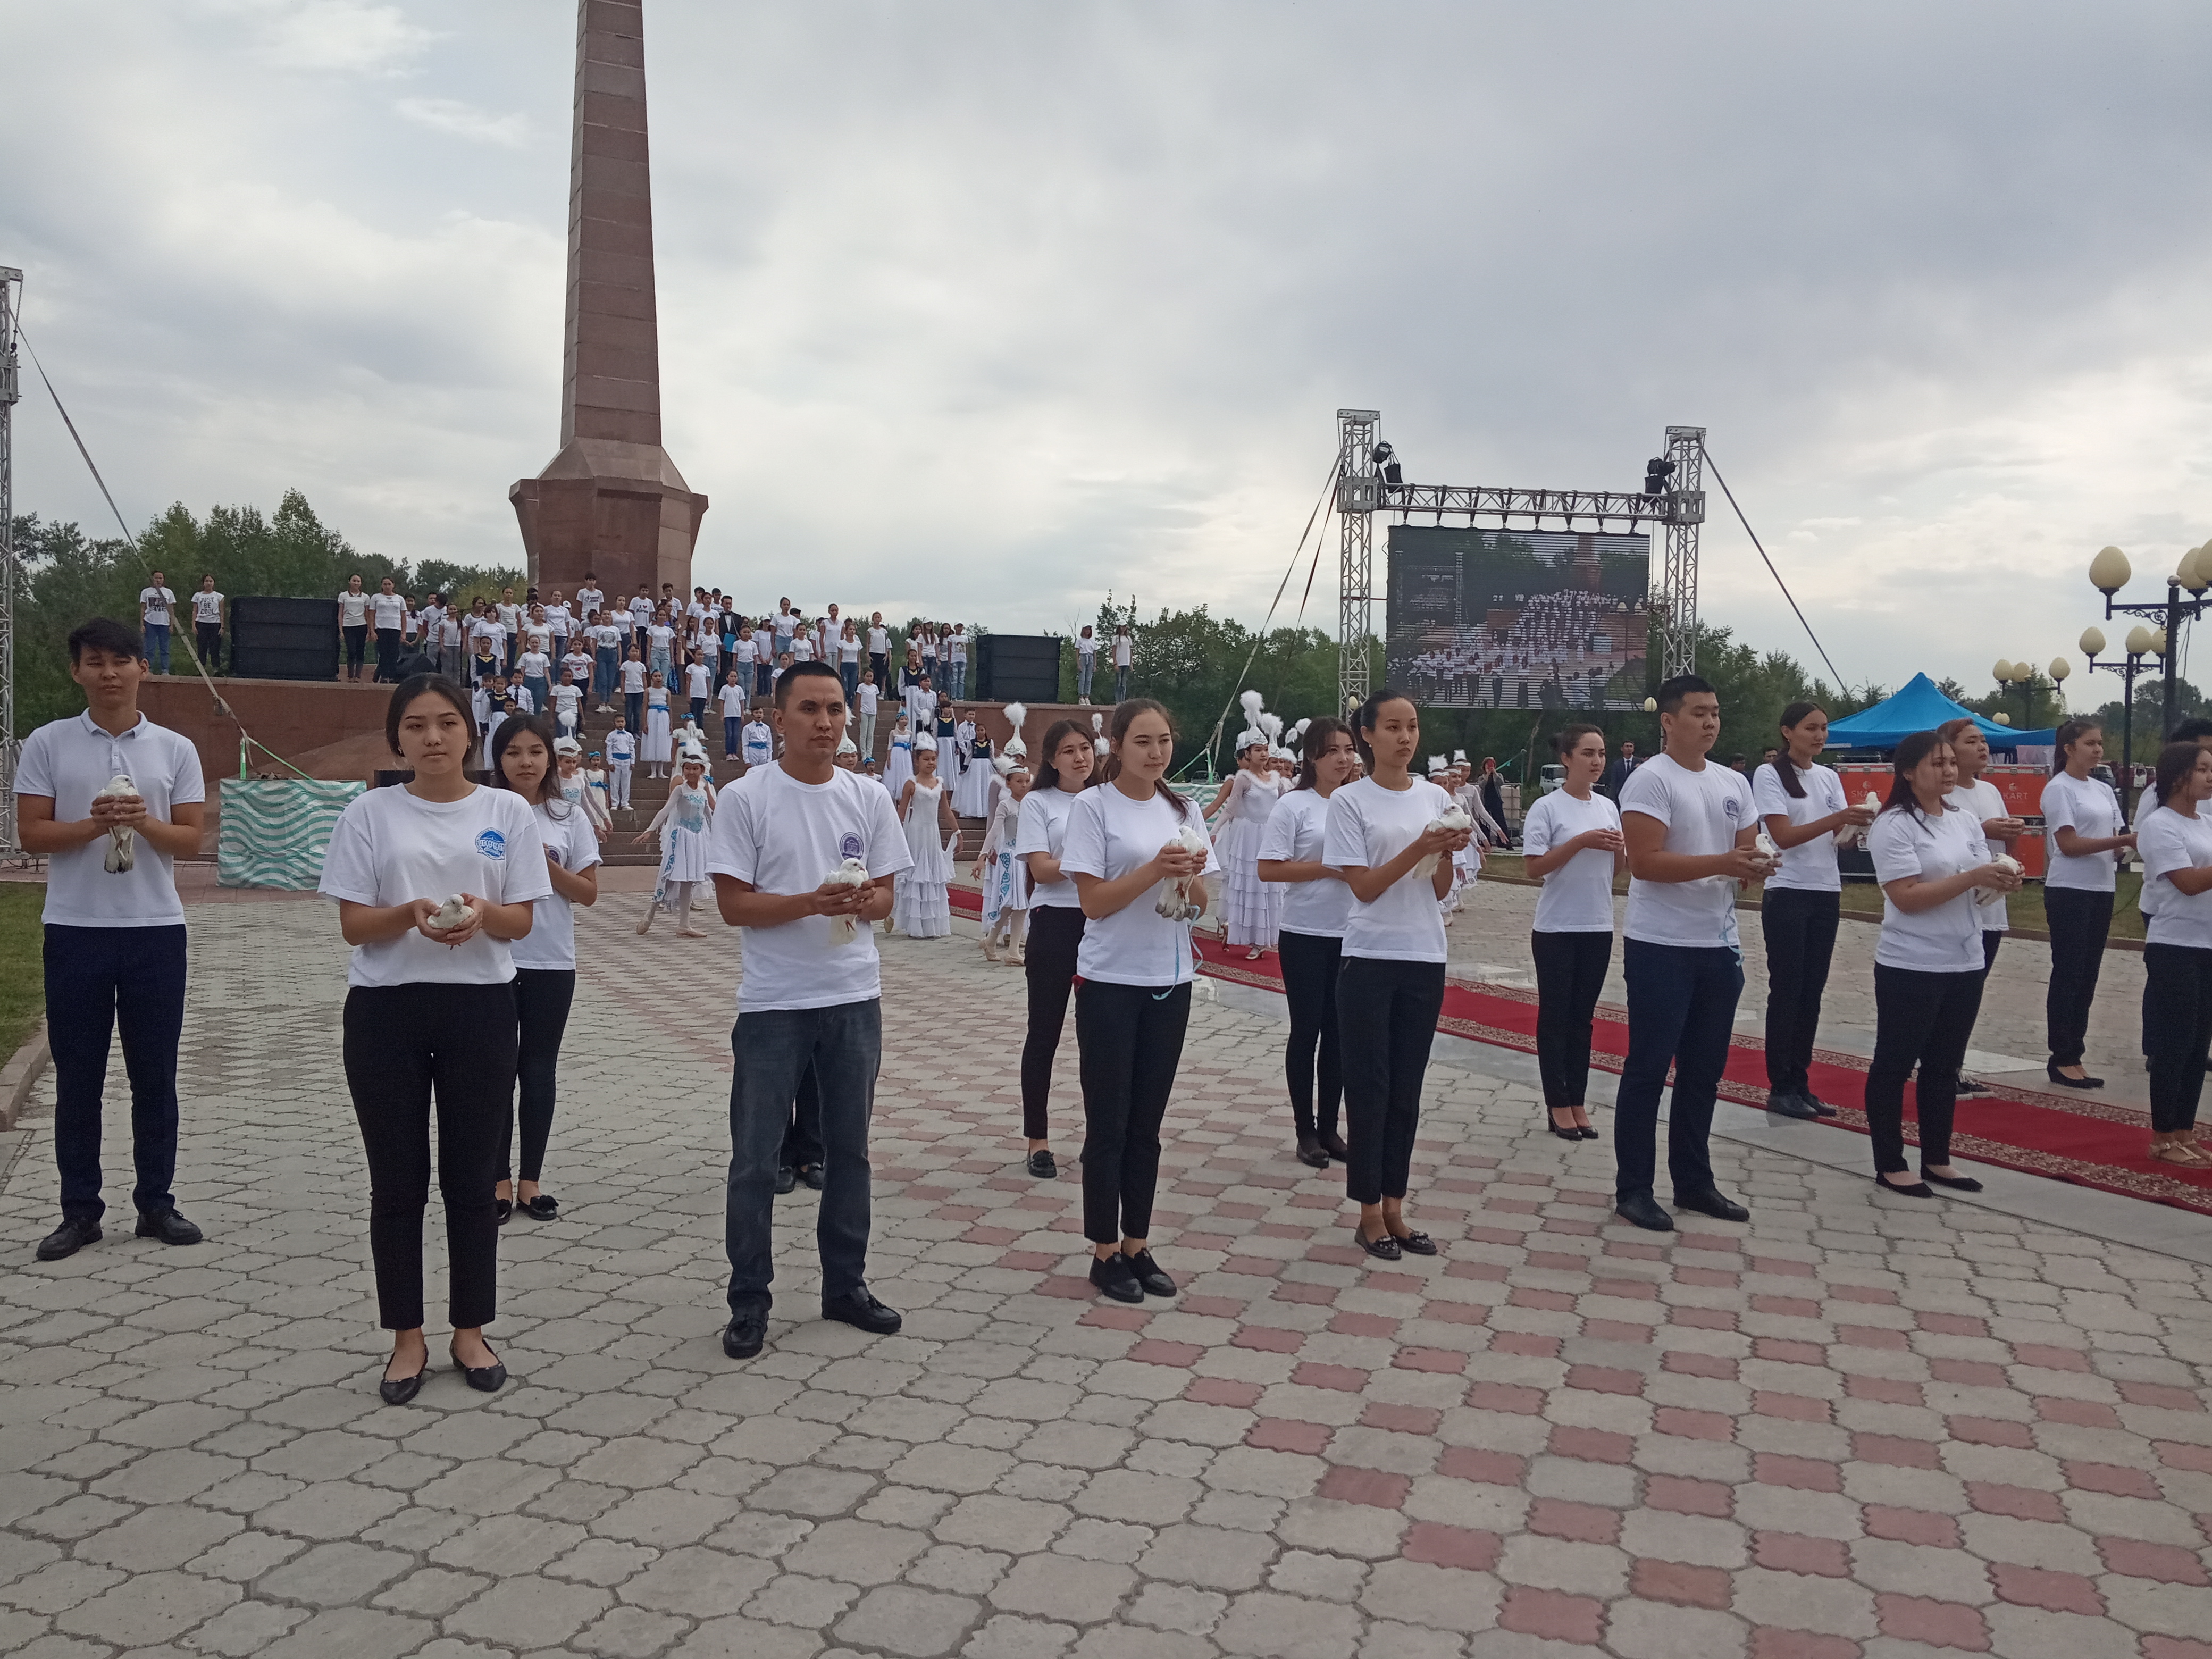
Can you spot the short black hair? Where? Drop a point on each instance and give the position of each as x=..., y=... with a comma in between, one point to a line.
x=2196, y=730
x=104, y=633
x=806, y=671
x=1671, y=692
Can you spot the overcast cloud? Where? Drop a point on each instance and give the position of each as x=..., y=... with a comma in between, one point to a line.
x=988, y=309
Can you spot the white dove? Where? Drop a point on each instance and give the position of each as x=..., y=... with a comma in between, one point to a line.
x=448, y=916
x=851, y=873
x=122, y=840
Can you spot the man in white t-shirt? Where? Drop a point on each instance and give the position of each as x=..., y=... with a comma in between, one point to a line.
x=156, y=603
x=589, y=601
x=114, y=926
x=810, y=997
x=1690, y=826
x=207, y=624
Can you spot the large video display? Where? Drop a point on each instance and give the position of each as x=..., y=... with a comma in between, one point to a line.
x=1518, y=618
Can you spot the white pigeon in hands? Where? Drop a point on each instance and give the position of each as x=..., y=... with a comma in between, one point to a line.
x=448, y=916
x=851, y=873
x=1452, y=818
x=122, y=840
x=1169, y=900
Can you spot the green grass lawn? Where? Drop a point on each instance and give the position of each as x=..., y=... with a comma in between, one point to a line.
x=22, y=970
x=2025, y=907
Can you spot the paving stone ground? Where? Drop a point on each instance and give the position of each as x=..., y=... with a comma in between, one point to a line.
x=1855, y=1426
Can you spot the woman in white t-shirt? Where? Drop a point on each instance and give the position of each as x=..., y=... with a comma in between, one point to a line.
x=2175, y=840
x=1933, y=863
x=1392, y=986
x=1976, y=797
x=2083, y=834
x=1124, y=655
x=353, y=624
x=1311, y=945
x=1055, y=934
x=545, y=958
x=433, y=1007
x=1800, y=803
x=1571, y=839
x=1138, y=853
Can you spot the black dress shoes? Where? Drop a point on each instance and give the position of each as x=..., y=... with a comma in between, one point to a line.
x=72, y=1236
x=786, y=1179
x=860, y=1309
x=1416, y=1243
x=1381, y=1247
x=1914, y=1189
x=543, y=1207
x=484, y=1379
x=1333, y=1144
x=1820, y=1108
x=1956, y=1184
x=2084, y=1081
x=812, y=1175
x=501, y=1208
x=1149, y=1279
x=1312, y=1153
x=1788, y=1102
x=168, y=1226
x=399, y=1390
x=1643, y=1210
x=1113, y=1275
x=742, y=1336
x=1710, y=1202
x=1042, y=1164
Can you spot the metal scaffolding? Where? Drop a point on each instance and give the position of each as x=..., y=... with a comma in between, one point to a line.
x=1676, y=603
x=1356, y=487
x=11, y=575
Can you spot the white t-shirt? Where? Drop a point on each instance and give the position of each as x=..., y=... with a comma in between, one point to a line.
x=879, y=641
x=157, y=601
x=1086, y=645
x=1108, y=834
x=557, y=618
x=697, y=682
x=207, y=606
x=69, y=762
x=1577, y=898
x=605, y=636
x=658, y=637
x=868, y=697
x=742, y=650
x=1981, y=801
x=2088, y=807
x=734, y=702
x=353, y=610
x=566, y=698
x=802, y=649
x=533, y=665
x=849, y=651
x=551, y=941
x=1042, y=828
x=491, y=628
x=2169, y=842
x=1121, y=643
x=633, y=676
x=640, y=610
x=1946, y=939
x=538, y=635
x=957, y=648
x=389, y=847
x=1702, y=811
x=1809, y=866
x=510, y=617
x=589, y=601
x=784, y=836
x=1295, y=833
x=1367, y=827
x=389, y=610
x=757, y=743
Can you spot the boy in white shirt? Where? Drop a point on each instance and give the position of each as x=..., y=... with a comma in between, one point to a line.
x=622, y=753
x=868, y=699
x=567, y=704
x=757, y=739
x=633, y=689
x=733, y=700
x=1689, y=826
x=114, y=934
x=155, y=605
x=810, y=997
x=589, y=601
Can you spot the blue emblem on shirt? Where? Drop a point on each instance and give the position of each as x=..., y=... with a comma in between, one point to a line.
x=849, y=845
x=492, y=844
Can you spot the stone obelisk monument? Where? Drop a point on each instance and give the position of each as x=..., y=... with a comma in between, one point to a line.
x=612, y=501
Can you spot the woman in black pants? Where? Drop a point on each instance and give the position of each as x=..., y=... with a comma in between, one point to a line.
x=1933, y=863
x=433, y=879
x=2083, y=835
x=1311, y=944
x=2176, y=839
x=1055, y=922
x=1572, y=840
x=1384, y=834
x=544, y=958
x=1138, y=853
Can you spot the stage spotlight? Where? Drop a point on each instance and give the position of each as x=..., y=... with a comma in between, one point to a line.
x=1385, y=461
x=1656, y=471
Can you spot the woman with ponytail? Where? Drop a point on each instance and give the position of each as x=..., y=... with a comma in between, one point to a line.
x=1055, y=923
x=2085, y=834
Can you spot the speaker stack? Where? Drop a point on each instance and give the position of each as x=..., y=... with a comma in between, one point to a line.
x=277, y=638
x=1017, y=668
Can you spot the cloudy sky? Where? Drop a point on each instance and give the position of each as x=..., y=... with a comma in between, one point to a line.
x=989, y=309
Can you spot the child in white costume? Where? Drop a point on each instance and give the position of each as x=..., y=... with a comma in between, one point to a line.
x=681, y=824
x=597, y=804
x=1004, y=879
x=921, y=906
x=899, y=771
x=1252, y=909
x=621, y=754
x=658, y=747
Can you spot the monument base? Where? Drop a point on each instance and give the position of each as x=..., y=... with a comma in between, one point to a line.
x=619, y=510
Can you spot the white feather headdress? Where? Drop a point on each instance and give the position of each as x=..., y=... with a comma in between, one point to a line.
x=1098, y=734
x=1016, y=714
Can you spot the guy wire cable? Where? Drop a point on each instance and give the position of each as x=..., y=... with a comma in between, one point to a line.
x=1842, y=684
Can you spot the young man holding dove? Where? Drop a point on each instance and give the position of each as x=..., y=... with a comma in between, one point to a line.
x=779, y=850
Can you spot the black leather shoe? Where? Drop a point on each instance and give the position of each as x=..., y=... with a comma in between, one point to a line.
x=1333, y=1144
x=1563, y=1130
x=1820, y=1108
x=860, y=1309
x=1971, y=1085
x=1787, y=1103
x=501, y=1208
x=742, y=1336
x=786, y=1179
x=1643, y=1210
x=1416, y=1243
x=543, y=1207
x=1586, y=1131
x=168, y=1226
x=2084, y=1081
x=399, y=1390
x=1042, y=1164
x=1115, y=1276
x=72, y=1236
x=1383, y=1248
x=812, y=1175
x=1712, y=1203
x=1956, y=1184
x=1918, y=1190
x=484, y=1379
x=1149, y=1277
x=1312, y=1153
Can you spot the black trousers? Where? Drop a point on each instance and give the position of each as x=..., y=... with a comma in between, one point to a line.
x=387, y=655
x=2177, y=1016
x=543, y=997
x=1921, y=1019
x=1055, y=935
x=99, y=979
x=403, y=1042
x=1310, y=962
x=357, y=644
x=1569, y=973
x=1800, y=928
x=1387, y=1010
x=210, y=644
x=802, y=1137
x=1681, y=1012
x=1130, y=1040
x=2079, y=920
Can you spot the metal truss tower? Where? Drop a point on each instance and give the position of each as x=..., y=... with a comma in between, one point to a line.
x=1677, y=599
x=1356, y=495
x=11, y=574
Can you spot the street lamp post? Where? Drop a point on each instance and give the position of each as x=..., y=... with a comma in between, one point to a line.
x=2139, y=643
x=2109, y=572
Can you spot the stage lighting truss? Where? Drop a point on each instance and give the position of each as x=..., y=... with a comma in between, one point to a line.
x=12, y=585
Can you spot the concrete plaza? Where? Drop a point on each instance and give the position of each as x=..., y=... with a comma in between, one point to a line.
x=1857, y=1425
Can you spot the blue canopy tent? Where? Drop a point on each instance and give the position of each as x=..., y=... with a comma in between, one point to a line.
x=1921, y=708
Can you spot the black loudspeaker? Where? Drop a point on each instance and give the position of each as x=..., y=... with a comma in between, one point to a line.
x=274, y=639
x=1017, y=668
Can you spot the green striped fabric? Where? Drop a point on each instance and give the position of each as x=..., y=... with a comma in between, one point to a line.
x=272, y=832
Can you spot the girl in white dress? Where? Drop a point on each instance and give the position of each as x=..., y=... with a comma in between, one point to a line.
x=899, y=772
x=681, y=824
x=922, y=907
x=1004, y=879
x=980, y=782
x=657, y=746
x=1252, y=909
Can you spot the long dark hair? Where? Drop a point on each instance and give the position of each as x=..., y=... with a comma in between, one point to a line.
x=549, y=786
x=2175, y=763
x=1785, y=768
x=404, y=693
x=2069, y=734
x=1118, y=728
x=1048, y=775
x=1910, y=753
x=1314, y=741
x=1369, y=713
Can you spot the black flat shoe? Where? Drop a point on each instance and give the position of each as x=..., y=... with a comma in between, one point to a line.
x=786, y=1179
x=1918, y=1190
x=168, y=1226
x=502, y=1208
x=1333, y=1144
x=399, y=1390
x=1384, y=1248
x=1042, y=1166
x=2085, y=1081
x=1788, y=1102
x=1713, y=1204
x=1956, y=1184
x=1312, y=1153
x=543, y=1207
x=484, y=1379
x=1416, y=1243
x=1115, y=1276
x=812, y=1175
x=742, y=1336
x=860, y=1309
x=1149, y=1279
x=72, y=1236
x=1643, y=1210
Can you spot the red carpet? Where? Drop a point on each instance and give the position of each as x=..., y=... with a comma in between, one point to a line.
x=2064, y=1136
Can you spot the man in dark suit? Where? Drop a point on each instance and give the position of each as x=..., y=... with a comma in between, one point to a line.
x=1617, y=774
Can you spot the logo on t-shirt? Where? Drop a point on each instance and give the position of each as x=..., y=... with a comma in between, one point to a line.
x=849, y=845
x=1732, y=809
x=492, y=844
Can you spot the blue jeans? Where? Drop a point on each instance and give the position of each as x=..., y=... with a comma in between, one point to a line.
x=1121, y=685
x=850, y=673
x=1681, y=1012
x=844, y=1044
x=730, y=726
x=1084, y=668
x=157, y=646
x=603, y=673
x=98, y=978
x=959, y=681
x=634, y=711
x=541, y=693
